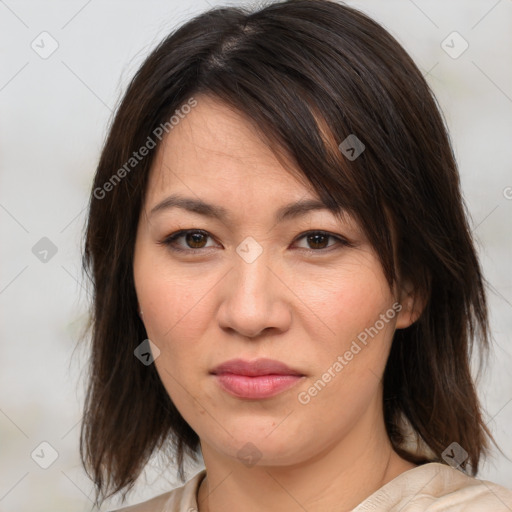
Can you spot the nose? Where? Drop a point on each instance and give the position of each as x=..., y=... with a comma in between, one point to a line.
x=255, y=299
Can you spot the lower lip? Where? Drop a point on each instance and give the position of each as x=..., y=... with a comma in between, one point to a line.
x=262, y=386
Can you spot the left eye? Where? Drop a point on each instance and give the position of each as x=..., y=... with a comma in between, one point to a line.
x=195, y=239
x=318, y=240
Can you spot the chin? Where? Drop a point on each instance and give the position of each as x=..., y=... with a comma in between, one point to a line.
x=260, y=443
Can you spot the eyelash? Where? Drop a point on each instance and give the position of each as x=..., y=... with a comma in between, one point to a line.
x=169, y=240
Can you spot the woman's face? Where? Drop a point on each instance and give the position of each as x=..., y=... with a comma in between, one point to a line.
x=254, y=279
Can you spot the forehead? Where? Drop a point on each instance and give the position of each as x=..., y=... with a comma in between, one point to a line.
x=215, y=148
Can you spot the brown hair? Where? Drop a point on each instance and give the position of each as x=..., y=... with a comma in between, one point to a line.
x=308, y=73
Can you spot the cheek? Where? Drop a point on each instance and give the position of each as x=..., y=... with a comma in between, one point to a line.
x=352, y=340
x=177, y=310
x=345, y=301
x=176, y=304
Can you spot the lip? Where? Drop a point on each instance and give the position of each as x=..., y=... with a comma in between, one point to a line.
x=262, y=378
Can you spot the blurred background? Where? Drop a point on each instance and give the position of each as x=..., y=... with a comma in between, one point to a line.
x=64, y=66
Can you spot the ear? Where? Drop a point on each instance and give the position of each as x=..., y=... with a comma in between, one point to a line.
x=412, y=306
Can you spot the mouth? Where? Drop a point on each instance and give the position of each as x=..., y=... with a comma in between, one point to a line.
x=259, y=379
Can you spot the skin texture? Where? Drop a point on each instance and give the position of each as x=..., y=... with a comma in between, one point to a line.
x=299, y=303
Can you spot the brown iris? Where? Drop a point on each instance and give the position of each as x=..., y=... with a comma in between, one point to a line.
x=194, y=240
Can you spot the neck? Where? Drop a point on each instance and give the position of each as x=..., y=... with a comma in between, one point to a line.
x=339, y=478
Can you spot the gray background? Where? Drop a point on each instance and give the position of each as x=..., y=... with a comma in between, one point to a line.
x=53, y=118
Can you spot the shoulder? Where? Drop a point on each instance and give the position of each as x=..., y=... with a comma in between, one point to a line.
x=438, y=487
x=181, y=498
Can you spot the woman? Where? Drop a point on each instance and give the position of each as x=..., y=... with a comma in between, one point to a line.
x=284, y=278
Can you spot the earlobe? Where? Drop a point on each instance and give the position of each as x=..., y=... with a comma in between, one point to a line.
x=412, y=307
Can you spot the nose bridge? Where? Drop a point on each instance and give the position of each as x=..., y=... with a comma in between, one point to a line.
x=253, y=300
x=252, y=287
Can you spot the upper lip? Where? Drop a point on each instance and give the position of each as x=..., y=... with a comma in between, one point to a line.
x=255, y=368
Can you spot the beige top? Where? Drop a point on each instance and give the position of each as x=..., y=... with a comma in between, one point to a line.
x=431, y=487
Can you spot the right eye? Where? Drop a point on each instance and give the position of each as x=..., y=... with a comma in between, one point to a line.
x=194, y=239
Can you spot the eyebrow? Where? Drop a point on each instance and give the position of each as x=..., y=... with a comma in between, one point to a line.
x=200, y=207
